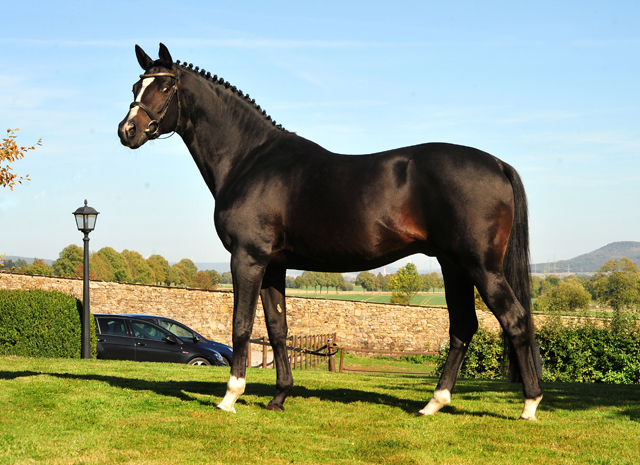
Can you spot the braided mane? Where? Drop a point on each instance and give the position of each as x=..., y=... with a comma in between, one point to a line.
x=220, y=81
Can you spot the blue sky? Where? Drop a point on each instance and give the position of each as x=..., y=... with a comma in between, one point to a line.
x=550, y=87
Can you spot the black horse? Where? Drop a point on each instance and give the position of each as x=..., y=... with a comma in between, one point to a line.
x=282, y=201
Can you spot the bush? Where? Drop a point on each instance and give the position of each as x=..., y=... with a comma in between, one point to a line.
x=39, y=323
x=578, y=353
x=484, y=359
x=424, y=359
x=588, y=354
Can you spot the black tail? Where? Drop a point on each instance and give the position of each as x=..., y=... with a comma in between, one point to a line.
x=516, y=264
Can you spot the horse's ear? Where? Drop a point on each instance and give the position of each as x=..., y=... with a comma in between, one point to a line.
x=165, y=56
x=144, y=59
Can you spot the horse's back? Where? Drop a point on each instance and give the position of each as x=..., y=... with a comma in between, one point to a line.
x=326, y=211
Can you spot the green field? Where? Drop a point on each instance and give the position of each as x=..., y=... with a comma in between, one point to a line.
x=358, y=294
x=426, y=299
x=59, y=411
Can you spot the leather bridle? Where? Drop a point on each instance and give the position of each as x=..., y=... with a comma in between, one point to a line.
x=154, y=125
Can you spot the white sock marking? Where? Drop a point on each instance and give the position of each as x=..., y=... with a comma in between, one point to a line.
x=530, y=406
x=440, y=399
x=235, y=388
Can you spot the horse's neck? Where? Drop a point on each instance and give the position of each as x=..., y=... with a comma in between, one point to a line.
x=220, y=131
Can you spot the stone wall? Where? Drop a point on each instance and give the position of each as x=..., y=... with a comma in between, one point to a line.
x=357, y=324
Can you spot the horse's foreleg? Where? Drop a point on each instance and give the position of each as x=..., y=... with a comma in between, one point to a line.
x=247, y=278
x=273, y=302
x=463, y=324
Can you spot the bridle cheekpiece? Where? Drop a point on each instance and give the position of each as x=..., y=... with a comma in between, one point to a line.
x=154, y=125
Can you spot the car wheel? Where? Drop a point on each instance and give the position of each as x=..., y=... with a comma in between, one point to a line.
x=226, y=361
x=199, y=361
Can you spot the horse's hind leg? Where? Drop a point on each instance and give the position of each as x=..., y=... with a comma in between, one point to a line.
x=516, y=323
x=463, y=324
x=273, y=302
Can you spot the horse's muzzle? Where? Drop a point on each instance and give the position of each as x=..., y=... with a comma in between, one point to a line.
x=129, y=134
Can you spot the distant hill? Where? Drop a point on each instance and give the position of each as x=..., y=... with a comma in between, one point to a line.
x=29, y=260
x=590, y=262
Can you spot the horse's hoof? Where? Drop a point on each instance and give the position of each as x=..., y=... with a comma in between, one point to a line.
x=275, y=407
x=528, y=418
x=226, y=409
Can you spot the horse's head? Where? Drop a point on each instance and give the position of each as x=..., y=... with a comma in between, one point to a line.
x=156, y=107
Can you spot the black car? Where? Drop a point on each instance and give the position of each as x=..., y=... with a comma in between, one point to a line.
x=122, y=337
x=185, y=333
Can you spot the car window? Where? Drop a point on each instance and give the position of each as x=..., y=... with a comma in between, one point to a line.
x=148, y=331
x=112, y=326
x=176, y=329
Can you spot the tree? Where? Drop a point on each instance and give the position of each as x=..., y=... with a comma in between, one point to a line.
x=226, y=278
x=9, y=153
x=140, y=270
x=203, y=280
x=383, y=281
x=68, y=261
x=183, y=273
x=119, y=267
x=17, y=265
x=367, y=281
x=536, y=283
x=348, y=286
x=405, y=284
x=215, y=276
x=432, y=281
x=39, y=267
x=289, y=282
x=549, y=283
x=160, y=269
x=338, y=281
x=99, y=268
x=301, y=282
x=567, y=296
x=309, y=279
x=617, y=284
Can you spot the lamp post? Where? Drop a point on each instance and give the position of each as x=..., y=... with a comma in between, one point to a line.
x=86, y=221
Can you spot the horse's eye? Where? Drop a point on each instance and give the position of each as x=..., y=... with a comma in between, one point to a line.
x=165, y=90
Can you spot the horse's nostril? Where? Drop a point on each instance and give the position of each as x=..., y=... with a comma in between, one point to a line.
x=131, y=129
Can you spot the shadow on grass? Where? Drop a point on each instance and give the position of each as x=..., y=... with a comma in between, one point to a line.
x=557, y=396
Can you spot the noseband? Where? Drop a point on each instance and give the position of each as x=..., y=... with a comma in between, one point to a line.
x=154, y=125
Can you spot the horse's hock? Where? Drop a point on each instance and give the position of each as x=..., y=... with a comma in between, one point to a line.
x=357, y=324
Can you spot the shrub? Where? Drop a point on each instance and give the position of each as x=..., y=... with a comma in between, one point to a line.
x=424, y=359
x=587, y=354
x=38, y=323
x=576, y=353
x=484, y=359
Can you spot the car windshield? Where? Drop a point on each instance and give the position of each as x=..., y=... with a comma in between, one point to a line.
x=176, y=329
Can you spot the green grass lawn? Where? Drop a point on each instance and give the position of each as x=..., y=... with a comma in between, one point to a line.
x=89, y=411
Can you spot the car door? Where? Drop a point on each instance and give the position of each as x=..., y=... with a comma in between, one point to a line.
x=154, y=344
x=114, y=342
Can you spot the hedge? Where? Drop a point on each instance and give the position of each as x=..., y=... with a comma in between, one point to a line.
x=577, y=353
x=36, y=323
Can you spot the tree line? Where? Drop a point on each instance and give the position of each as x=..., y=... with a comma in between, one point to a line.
x=127, y=266
x=403, y=285
x=616, y=284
